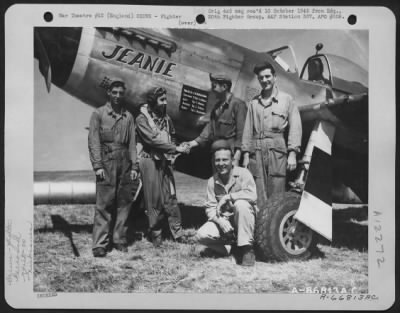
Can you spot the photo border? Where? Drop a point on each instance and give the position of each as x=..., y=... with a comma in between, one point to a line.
x=19, y=169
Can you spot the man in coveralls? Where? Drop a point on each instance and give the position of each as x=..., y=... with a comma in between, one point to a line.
x=227, y=117
x=112, y=149
x=269, y=115
x=156, y=137
x=231, y=207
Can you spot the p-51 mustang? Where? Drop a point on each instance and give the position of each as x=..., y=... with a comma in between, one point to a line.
x=331, y=93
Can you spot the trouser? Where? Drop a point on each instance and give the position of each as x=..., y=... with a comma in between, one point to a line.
x=243, y=221
x=160, y=196
x=114, y=199
x=268, y=166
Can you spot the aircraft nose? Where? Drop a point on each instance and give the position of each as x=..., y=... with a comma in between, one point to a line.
x=56, y=49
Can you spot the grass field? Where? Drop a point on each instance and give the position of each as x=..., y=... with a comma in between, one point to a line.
x=63, y=260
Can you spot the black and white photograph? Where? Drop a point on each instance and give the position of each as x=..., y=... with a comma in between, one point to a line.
x=200, y=160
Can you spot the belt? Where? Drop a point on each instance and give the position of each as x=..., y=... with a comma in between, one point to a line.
x=268, y=134
x=154, y=156
x=226, y=137
x=108, y=148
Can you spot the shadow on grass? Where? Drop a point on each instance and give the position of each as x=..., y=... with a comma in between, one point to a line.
x=138, y=226
x=350, y=235
x=61, y=225
x=192, y=216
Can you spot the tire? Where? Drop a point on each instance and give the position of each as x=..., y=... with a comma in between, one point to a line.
x=275, y=238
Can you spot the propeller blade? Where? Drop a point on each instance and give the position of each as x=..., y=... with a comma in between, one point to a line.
x=44, y=62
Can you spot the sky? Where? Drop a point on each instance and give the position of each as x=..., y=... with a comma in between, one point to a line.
x=60, y=120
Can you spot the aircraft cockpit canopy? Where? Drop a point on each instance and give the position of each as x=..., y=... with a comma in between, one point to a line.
x=286, y=58
x=317, y=70
x=338, y=72
x=346, y=70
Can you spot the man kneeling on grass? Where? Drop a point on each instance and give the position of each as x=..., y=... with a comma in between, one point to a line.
x=230, y=207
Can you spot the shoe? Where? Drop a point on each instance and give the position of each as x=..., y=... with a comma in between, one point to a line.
x=179, y=239
x=99, y=252
x=209, y=253
x=156, y=239
x=157, y=242
x=229, y=237
x=248, y=257
x=121, y=247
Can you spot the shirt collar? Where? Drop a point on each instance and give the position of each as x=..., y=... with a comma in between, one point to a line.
x=228, y=98
x=232, y=179
x=272, y=98
x=110, y=110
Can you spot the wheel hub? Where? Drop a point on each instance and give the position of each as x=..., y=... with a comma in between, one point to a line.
x=294, y=236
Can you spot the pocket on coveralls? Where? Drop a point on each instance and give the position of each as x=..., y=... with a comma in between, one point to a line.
x=278, y=119
x=106, y=135
x=126, y=175
x=128, y=187
x=225, y=126
x=253, y=168
x=277, y=162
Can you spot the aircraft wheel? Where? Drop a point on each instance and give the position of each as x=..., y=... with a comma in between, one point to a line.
x=278, y=236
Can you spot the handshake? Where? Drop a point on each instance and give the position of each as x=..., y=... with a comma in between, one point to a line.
x=186, y=146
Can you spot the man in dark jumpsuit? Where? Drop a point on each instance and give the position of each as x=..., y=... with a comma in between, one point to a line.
x=112, y=149
x=227, y=117
x=265, y=152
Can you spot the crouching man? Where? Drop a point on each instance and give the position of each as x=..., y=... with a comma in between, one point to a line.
x=230, y=207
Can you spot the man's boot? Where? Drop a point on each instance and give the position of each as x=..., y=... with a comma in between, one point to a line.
x=99, y=252
x=121, y=247
x=248, y=257
x=156, y=238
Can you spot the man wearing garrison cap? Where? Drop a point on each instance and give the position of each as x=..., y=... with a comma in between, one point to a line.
x=269, y=116
x=112, y=149
x=226, y=119
x=230, y=207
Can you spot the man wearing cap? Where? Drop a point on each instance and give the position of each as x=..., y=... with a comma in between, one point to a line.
x=112, y=149
x=269, y=116
x=230, y=207
x=226, y=119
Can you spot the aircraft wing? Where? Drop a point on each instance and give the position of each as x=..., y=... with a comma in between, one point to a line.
x=348, y=113
x=338, y=130
x=345, y=102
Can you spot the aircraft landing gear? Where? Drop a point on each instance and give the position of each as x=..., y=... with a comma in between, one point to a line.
x=280, y=231
x=278, y=235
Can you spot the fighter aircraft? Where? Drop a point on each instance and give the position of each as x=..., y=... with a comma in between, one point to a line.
x=331, y=93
